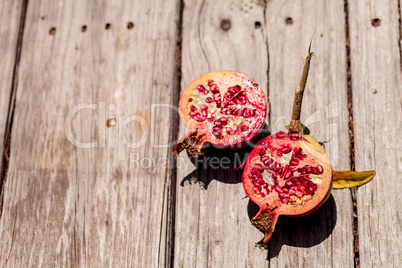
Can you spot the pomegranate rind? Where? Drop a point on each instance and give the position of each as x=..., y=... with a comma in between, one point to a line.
x=224, y=80
x=315, y=156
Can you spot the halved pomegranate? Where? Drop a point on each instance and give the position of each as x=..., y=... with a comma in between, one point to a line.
x=286, y=174
x=225, y=109
x=290, y=173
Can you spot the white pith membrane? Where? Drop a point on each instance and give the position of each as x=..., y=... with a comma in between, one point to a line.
x=285, y=175
x=230, y=112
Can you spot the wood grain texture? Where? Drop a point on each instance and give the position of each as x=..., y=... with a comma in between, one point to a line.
x=377, y=96
x=66, y=205
x=10, y=15
x=325, y=238
x=212, y=224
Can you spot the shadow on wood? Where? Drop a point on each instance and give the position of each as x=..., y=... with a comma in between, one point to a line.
x=224, y=166
x=304, y=232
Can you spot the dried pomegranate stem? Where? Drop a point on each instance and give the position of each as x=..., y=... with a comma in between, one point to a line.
x=295, y=124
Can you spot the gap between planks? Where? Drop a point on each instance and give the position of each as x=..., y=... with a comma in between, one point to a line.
x=11, y=106
x=173, y=136
x=400, y=32
x=351, y=138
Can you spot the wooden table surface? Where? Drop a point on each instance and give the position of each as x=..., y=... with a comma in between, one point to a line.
x=81, y=190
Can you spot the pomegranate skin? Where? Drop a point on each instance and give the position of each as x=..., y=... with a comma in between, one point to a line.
x=286, y=174
x=225, y=109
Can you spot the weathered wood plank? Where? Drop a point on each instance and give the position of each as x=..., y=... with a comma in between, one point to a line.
x=10, y=16
x=324, y=238
x=377, y=88
x=67, y=205
x=212, y=225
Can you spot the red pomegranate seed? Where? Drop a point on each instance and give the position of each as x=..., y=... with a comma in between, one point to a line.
x=270, y=161
x=293, y=162
x=320, y=169
x=313, y=170
x=308, y=169
x=224, y=120
x=230, y=131
x=278, y=189
x=246, y=112
x=283, y=195
x=202, y=89
x=199, y=118
x=232, y=90
x=218, y=134
x=264, y=157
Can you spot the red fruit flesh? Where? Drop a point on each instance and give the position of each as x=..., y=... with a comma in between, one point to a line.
x=223, y=108
x=286, y=174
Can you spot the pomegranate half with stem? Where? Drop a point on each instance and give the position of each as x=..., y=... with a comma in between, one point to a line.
x=290, y=173
x=224, y=108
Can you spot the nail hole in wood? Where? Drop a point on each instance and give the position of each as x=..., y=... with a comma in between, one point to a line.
x=289, y=21
x=257, y=24
x=84, y=28
x=130, y=25
x=107, y=26
x=52, y=31
x=226, y=25
x=376, y=22
x=111, y=122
